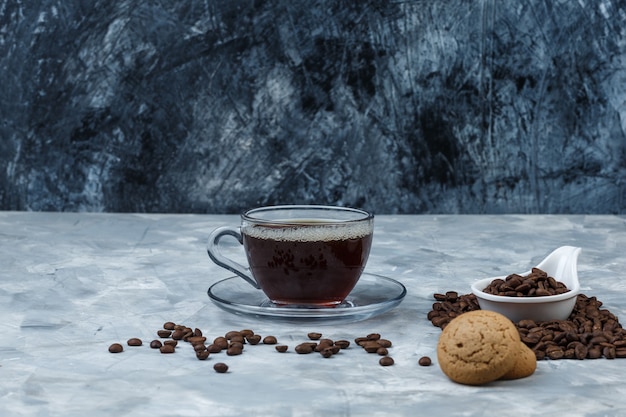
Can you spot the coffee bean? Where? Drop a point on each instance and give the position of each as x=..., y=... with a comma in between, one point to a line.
x=609, y=352
x=197, y=332
x=234, y=351
x=171, y=343
x=269, y=340
x=134, y=342
x=281, y=348
x=361, y=340
x=253, y=339
x=386, y=361
x=202, y=355
x=373, y=336
x=424, y=361
x=371, y=347
x=247, y=333
x=155, y=344
x=178, y=334
x=304, y=348
x=580, y=351
x=116, y=348
x=222, y=342
x=213, y=348
x=326, y=352
x=314, y=336
x=164, y=333
x=187, y=334
x=199, y=347
x=232, y=334
x=384, y=343
x=196, y=339
x=343, y=344
x=167, y=349
x=382, y=351
x=169, y=325
x=236, y=345
x=220, y=367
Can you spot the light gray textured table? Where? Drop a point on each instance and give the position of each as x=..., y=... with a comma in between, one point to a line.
x=72, y=284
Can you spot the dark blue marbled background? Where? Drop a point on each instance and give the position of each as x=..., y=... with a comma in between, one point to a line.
x=429, y=106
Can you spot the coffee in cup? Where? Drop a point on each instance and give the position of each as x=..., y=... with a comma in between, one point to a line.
x=300, y=255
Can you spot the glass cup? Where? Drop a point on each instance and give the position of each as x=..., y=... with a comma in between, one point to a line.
x=300, y=255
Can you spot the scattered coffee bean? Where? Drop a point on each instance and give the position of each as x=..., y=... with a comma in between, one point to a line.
x=253, y=339
x=281, y=348
x=168, y=325
x=326, y=352
x=220, y=367
x=386, y=361
x=172, y=343
x=187, y=334
x=116, y=348
x=304, y=348
x=202, y=355
x=232, y=334
x=134, y=342
x=234, y=351
x=384, y=343
x=424, y=361
x=343, y=344
x=373, y=336
x=194, y=340
x=361, y=340
x=371, y=347
x=167, y=349
x=322, y=345
x=236, y=345
x=222, y=342
x=382, y=351
x=155, y=344
x=199, y=347
x=314, y=336
x=247, y=333
x=213, y=348
x=178, y=334
x=164, y=333
x=197, y=332
x=269, y=340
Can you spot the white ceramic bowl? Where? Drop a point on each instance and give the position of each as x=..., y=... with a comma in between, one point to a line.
x=560, y=264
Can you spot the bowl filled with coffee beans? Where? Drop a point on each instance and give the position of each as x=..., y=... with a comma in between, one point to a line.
x=546, y=292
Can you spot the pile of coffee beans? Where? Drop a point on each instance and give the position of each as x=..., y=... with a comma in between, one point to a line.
x=536, y=284
x=590, y=332
x=233, y=343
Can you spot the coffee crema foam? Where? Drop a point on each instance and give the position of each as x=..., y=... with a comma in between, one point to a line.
x=310, y=233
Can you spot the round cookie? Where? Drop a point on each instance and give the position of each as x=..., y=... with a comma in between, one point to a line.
x=525, y=364
x=478, y=347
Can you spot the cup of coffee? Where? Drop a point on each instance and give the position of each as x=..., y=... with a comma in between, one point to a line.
x=300, y=255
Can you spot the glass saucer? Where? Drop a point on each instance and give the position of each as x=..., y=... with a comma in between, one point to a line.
x=372, y=295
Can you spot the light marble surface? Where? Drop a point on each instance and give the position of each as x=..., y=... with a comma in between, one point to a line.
x=72, y=284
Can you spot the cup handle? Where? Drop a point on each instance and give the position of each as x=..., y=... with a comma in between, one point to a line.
x=217, y=257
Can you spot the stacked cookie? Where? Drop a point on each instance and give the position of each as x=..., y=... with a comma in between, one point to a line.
x=483, y=346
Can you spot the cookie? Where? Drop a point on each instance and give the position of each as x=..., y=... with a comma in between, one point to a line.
x=525, y=364
x=478, y=347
